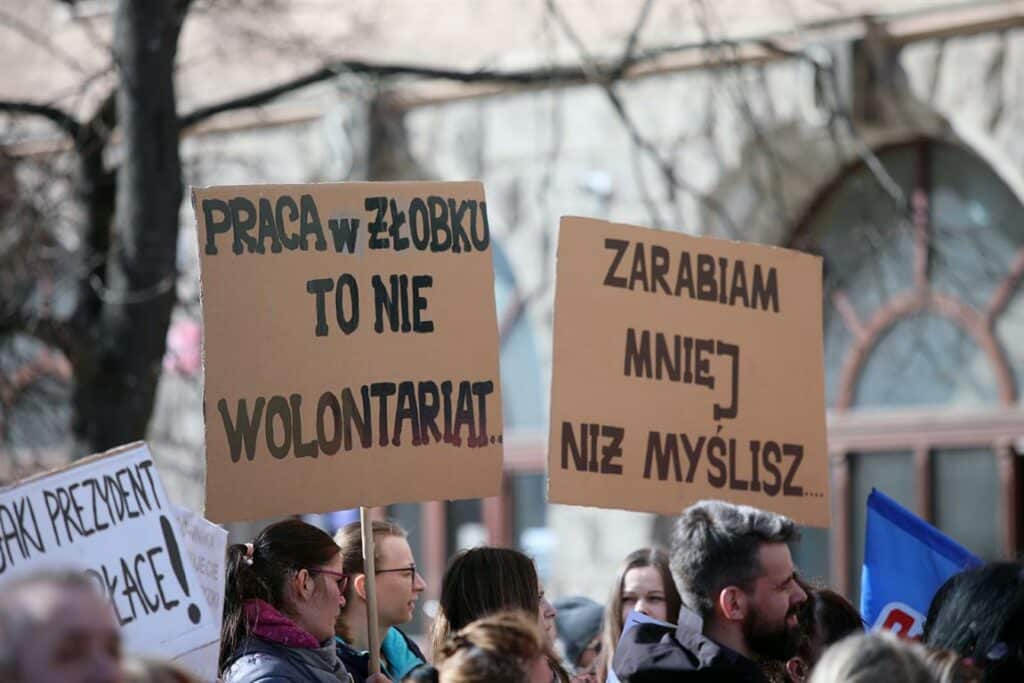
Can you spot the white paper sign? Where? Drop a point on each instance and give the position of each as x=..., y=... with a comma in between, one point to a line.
x=109, y=515
x=206, y=547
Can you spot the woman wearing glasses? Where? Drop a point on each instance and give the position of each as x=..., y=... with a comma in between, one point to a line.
x=398, y=589
x=282, y=596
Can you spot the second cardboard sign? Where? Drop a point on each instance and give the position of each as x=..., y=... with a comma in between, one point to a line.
x=686, y=368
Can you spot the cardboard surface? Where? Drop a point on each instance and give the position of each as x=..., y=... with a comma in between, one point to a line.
x=393, y=404
x=677, y=378
x=110, y=516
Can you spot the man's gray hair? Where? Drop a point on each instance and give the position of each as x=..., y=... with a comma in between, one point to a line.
x=717, y=544
x=16, y=620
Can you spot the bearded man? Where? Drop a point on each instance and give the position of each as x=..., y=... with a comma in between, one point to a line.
x=733, y=568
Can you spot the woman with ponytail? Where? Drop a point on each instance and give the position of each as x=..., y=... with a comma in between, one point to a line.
x=282, y=596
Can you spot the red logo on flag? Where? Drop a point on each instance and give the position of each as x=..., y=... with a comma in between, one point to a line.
x=901, y=619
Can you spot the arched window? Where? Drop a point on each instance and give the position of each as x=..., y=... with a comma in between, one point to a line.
x=924, y=346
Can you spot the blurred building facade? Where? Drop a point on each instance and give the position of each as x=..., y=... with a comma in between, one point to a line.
x=887, y=137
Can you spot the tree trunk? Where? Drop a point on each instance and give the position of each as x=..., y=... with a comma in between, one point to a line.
x=114, y=394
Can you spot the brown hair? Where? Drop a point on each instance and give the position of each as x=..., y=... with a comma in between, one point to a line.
x=949, y=667
x=280, y=549
x=495, y=649
x=644, y=557
x=350, y=540
x=480, y=582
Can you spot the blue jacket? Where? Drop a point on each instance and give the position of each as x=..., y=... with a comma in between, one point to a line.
x=400, y=656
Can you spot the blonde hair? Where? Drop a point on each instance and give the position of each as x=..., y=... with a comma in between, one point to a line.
x=496, y=649
x=949, y=667
x=879, y=656
x=350, y=539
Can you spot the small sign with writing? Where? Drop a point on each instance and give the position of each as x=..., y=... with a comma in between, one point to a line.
x=206, y=545
x=109, y=516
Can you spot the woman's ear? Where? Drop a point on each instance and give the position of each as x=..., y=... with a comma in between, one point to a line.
x=796, y=669
x=359, y=585
x=303, y=584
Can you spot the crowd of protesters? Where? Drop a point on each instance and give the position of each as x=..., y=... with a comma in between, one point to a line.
x=725, y=603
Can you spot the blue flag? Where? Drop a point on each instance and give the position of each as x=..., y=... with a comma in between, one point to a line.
x=906, y=560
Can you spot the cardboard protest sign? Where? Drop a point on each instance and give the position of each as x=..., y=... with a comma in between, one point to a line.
x=686, y=368
x=206, y=547
x=351, y=346
x=109, y=516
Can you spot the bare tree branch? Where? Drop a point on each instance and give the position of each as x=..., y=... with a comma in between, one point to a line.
x=590, y=71
x=672, y=180
x=726, y=53
x=64, y=121
x=561, y=75
x=631, y=42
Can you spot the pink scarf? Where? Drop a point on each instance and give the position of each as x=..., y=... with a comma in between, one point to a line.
x=266, y=622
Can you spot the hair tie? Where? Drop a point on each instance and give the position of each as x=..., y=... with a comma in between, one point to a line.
x=250, y=549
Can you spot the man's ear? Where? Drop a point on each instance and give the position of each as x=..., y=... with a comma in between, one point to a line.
x=732, y=603
x=359, y=585
x=796, y=669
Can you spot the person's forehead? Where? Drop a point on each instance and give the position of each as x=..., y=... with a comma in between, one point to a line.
x=776, y=561
x=647, y=578
x=395, y=549
x=74, y=610
x=44, y=600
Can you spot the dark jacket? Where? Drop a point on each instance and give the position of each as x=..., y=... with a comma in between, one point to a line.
x=260, y=661
x=401, y=655
x=649, y=653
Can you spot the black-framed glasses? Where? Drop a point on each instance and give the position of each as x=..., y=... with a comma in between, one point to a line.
x=342, y=579
x=411, y=569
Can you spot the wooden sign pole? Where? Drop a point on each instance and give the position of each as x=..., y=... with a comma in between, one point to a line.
x=366, y=522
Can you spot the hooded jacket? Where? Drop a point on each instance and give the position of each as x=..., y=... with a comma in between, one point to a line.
x=650, y=653
x=279, y=651
x=261, y=661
